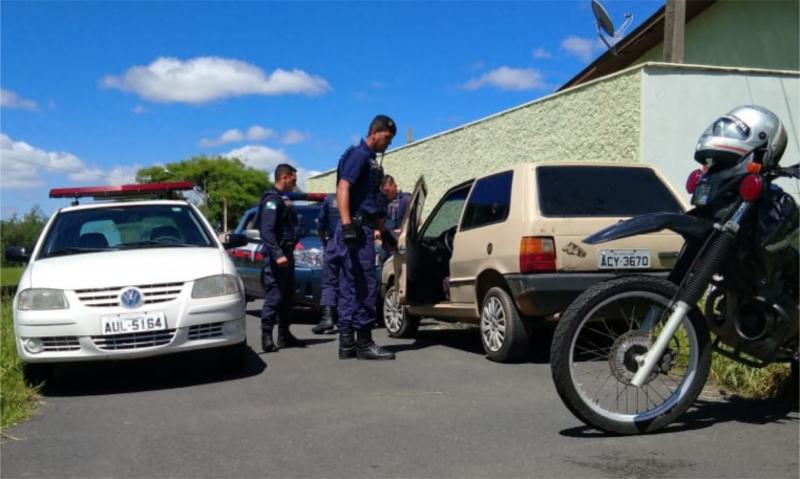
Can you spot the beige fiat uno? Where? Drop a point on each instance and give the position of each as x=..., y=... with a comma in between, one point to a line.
x=505, y=251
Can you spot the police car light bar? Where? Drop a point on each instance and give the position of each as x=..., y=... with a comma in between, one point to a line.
x=306, y=196
x=120, y=190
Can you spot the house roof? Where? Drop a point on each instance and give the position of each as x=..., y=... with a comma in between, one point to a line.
x=631, y=47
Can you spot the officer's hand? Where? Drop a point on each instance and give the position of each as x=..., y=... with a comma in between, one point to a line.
x=350, y=235
x=283, y=261
x=389, y=241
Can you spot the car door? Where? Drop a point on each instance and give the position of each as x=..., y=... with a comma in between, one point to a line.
x=250, y=262
x=408, y=242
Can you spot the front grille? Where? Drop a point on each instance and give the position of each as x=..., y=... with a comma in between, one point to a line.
x=134, y=340
x=205, y=331
x=109, y=297
x=61, y=343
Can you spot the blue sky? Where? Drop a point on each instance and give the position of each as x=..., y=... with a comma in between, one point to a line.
x=92, y=91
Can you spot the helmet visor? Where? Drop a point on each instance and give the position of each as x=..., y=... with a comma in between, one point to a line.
x=729, y=127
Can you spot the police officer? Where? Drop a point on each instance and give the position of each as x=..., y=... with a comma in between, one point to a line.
x=327, y=221
x=362, y=208
x=278, y=228
x=395, y=210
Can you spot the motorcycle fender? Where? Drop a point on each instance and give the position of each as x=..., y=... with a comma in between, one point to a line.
x=685, y=225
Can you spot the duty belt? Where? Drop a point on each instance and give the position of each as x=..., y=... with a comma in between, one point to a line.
x=360, y=220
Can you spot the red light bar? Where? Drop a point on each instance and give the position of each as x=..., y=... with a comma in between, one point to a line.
x=120, y=190
x=306, y=196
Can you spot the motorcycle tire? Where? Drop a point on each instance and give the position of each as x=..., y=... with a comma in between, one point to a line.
x=571, y=325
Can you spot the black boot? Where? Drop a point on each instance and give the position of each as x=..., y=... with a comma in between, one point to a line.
x=326, y=323
x=367, y=349
x=287, y=340
x=267, y=345
x=347, y=345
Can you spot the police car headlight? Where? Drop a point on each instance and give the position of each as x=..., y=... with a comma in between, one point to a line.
x=42, y=298
x=219, y=285
x=308, y=257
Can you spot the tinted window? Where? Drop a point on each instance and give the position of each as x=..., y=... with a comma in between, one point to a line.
x=489, y=202
x=124, y=227
x=581, y=191
x=307, y=220
x=446, y=213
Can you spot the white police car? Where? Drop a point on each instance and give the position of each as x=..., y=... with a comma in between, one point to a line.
x=127, y=279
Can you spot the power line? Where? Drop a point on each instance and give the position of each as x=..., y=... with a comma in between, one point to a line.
x=53, y=168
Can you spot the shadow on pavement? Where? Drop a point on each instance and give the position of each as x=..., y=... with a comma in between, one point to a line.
x=162, y=372
x=707, y=413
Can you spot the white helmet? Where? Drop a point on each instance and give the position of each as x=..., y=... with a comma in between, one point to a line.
x=745, y=130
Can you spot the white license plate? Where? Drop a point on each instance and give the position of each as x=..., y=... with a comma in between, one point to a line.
x=134, y=322
x=623, y=259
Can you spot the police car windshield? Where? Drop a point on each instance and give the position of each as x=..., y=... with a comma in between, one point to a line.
x=307, y=220
x=124, y=227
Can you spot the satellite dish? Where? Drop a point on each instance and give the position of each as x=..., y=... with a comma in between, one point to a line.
x=605, y=25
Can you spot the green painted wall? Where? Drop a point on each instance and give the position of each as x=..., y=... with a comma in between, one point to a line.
x=739, y=33
x=572, y=125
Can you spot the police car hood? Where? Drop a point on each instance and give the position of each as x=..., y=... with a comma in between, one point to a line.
x=126, y=268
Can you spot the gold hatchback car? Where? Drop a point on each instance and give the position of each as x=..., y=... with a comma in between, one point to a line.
x=505, y=250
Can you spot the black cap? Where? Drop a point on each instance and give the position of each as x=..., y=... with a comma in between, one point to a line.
x=382, y=123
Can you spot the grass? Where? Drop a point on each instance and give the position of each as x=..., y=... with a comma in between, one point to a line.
x=749, y=382
x=17, y=399
x=9, y=275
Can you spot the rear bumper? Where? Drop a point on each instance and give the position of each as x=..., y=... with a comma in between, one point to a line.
x=546, y=294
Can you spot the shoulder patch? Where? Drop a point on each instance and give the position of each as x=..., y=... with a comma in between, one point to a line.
x=271, y=204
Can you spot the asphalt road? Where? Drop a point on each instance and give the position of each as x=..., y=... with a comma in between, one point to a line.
x=440, y=410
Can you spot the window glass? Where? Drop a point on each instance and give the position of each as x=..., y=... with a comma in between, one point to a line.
x=489, y=202
x=447, y=213
x=586, y=191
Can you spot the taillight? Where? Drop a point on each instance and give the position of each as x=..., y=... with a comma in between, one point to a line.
x=693, y=180
x=537, y=254
x=750, y=187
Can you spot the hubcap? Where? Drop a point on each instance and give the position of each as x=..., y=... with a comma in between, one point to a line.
x=392, y=312
x=493, y=324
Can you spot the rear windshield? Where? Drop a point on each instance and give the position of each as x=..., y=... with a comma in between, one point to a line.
x=581, y=191
x=124, y=227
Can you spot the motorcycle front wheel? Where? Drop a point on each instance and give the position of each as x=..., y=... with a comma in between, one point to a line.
x=595, y=349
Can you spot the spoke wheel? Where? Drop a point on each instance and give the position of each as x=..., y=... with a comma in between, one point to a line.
x=504, y=334
x=598, y=346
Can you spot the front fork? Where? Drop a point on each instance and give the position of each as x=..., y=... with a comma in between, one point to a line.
x=709, y=261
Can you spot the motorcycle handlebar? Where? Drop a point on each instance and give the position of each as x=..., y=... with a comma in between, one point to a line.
x=789, y=171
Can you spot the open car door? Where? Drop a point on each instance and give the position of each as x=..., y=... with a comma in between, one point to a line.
x=405, y=266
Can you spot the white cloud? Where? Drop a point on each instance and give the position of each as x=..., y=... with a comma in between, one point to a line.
x=293, y=137
x=254, y=133
x=139, y=109
x=22, y=166
x=507, y=78
x=9, y=99
x=258, y=156
x=541, y=53
x=583, y=48
x=302, y=177
x=203, y=79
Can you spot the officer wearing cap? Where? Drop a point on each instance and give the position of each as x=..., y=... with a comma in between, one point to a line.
x=327, y=221
x=362, y=208
x=278, y=228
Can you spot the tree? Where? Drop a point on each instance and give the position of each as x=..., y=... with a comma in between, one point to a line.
x=219, y=181
x=22, y=231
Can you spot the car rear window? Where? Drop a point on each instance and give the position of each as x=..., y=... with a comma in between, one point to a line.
x=581, y=191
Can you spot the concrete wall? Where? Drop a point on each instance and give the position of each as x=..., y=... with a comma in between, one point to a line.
x=678, y=103
x=738, y=33
x=595, y=121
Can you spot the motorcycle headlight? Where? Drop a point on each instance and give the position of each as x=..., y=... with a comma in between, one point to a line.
x=308, y=257
x=218, y=285
x=42, y=298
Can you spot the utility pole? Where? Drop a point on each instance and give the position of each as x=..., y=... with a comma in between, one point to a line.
x=674, y=23
x=224, y=214
x=409, y=136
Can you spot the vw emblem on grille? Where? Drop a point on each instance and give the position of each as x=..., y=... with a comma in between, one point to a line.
x=131, y=298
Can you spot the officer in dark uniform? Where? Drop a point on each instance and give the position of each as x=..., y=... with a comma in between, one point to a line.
x=278, y=228
x=395, y=210
x=327, y=221
x=362, y=208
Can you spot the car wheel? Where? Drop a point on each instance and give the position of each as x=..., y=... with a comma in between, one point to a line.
x=504, y=334
x=398, y=321
x=37, y=374
x=233, y=358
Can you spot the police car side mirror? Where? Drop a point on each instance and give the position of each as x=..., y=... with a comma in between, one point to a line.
x=234, y=240
x=17, y=254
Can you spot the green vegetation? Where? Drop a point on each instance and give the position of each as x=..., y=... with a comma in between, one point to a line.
x=17, y=399
x=746, y=381
x=22, y=231
x=9, y=275
x=221, y=181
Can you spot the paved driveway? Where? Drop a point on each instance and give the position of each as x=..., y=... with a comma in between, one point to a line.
x=439, y=410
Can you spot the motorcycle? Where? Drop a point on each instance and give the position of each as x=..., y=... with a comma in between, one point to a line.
x=631, y=354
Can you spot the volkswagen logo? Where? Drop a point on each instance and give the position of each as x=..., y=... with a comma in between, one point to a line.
x=131, y=298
